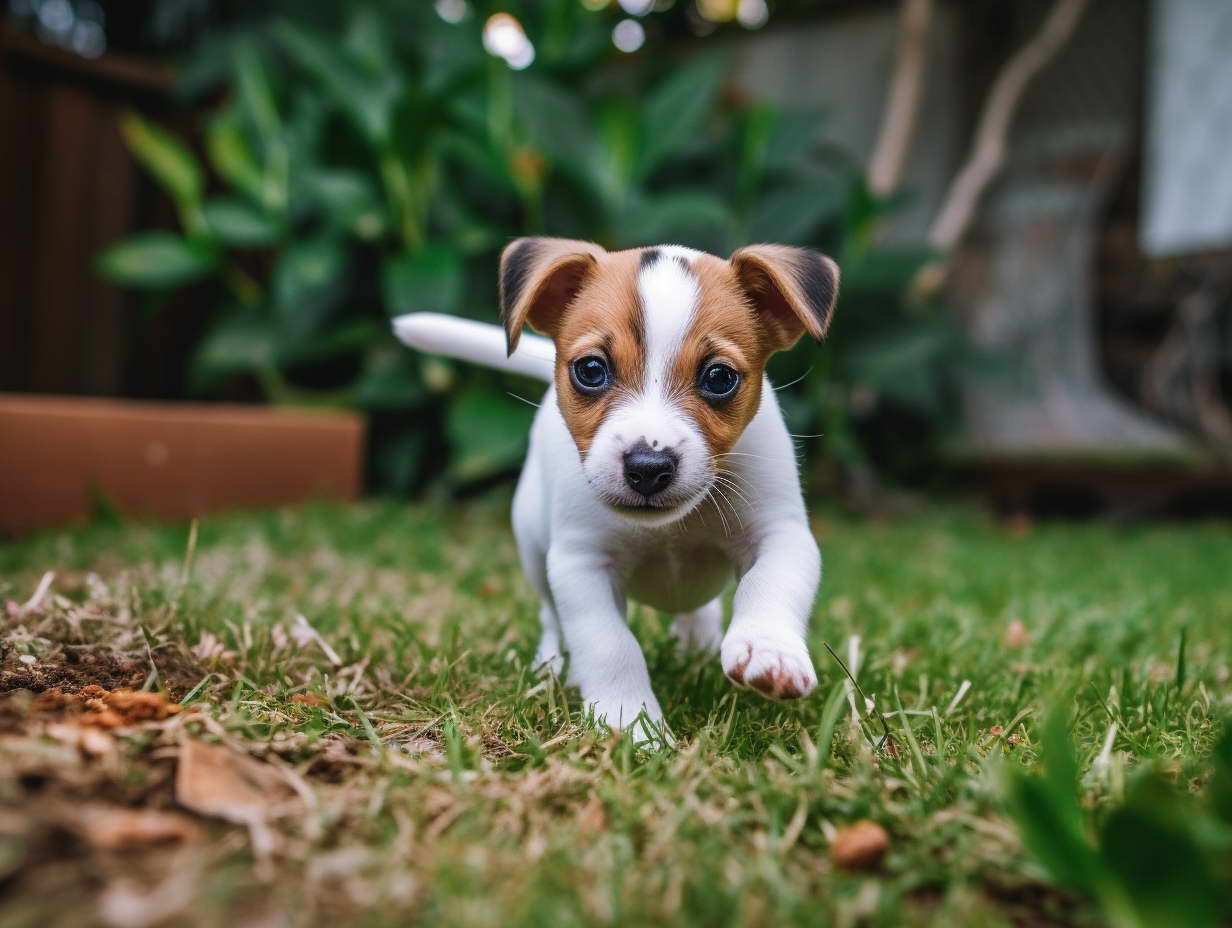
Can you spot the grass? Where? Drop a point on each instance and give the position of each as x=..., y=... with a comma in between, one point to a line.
x=443, y=783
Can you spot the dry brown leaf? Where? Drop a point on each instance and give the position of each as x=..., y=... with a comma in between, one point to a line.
x=593, y=817
x=309, y=699
x=114, y=827
x=216, y=781
x=860, y=846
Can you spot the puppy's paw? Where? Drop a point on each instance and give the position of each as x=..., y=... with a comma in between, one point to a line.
x=643, y=723
x=549, y=661
x=694, y=637
x=778, y=668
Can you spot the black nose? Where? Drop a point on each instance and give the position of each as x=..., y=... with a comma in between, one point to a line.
x=648, y=471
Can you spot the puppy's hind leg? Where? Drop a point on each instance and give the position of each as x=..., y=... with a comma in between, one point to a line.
x=700, y=631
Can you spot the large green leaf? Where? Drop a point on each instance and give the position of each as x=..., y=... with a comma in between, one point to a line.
x=687, y=217
x=487, y=432
x=555, y=121
x=232, y=157
x=427, y=281
x=256, y=95
x=307, y=283
x=904, y=363
x=1048, y=814
x=1220, y=789
x=1150, y=847
x=238, y=222
x=241, y=341
x=881, y=275
x=367, y=98
x=168, y=159
x=791, y=215
x=390, y=379
x=349, y=200
x=156, y=261
x=675, y=113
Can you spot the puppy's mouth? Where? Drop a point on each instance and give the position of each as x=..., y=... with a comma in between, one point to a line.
x=652, y=508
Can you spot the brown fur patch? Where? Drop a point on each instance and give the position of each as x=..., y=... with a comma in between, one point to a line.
x=793, y=289
x=604, y=318
x=725, y=328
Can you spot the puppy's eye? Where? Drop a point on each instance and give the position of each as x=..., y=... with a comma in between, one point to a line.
x=718, y=382
x=590, y=374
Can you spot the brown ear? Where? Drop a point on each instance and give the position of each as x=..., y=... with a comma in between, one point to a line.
x=793, y=289
x=539, y=277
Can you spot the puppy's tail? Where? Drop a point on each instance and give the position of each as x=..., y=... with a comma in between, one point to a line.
x=477, y=342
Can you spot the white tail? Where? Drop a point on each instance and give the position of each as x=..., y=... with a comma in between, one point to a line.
x=477, y=342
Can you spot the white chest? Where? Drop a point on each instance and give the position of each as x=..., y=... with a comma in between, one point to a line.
x=678, y=572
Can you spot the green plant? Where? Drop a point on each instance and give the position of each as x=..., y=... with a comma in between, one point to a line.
x=1156, y=858
x=373, y=160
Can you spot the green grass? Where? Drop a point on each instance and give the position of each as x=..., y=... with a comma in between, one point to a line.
x=451, y=786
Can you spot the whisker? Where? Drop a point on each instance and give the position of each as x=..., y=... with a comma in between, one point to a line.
x=522, y=398
x=722, y=518
x=731, y=508
x=792, y=383
x=735, y=489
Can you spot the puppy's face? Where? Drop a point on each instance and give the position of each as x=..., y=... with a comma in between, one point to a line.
x=660, y=353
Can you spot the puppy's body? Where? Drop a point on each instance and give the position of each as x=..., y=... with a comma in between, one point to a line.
x=650, y=477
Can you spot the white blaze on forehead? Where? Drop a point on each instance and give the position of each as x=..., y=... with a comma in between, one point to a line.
x=668, y=293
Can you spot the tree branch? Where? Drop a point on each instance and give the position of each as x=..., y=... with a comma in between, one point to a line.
x=885, y=166
x=988, y=150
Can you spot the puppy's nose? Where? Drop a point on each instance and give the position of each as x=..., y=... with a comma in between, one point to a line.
x=648, y=471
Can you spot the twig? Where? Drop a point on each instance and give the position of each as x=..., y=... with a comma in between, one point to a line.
x=40, y=593
x=988, y=151
x=885, y=166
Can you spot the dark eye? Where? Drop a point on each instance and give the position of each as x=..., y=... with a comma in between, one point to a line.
x=718, y=382
x=590, y=374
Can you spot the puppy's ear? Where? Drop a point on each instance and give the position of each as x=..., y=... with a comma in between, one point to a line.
x=792, y=289
x=539, y=277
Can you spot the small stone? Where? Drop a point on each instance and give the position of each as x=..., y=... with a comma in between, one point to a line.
x=1015, y=635
x=860, y=846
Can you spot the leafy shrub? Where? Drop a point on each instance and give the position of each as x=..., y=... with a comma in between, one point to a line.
x=376, y=161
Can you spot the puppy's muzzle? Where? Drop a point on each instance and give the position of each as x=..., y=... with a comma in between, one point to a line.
x=648, y=471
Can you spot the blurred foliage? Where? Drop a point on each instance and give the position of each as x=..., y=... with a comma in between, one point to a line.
x=1158, y=857
x=371, y=160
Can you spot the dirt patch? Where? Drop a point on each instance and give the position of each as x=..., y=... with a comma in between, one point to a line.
x=71, y=668
x=75, y=670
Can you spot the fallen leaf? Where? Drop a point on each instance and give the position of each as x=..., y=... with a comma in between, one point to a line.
x=115, y=828
x=216, y=781
x=309, y=699
x=593, y=817
x=860, y=846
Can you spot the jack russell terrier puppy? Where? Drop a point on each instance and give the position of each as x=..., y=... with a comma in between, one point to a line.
x=659, y=466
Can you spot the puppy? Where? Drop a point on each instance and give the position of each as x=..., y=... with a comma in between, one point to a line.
x=660, y=468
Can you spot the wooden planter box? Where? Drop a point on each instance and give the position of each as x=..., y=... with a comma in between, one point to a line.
x=58, y=455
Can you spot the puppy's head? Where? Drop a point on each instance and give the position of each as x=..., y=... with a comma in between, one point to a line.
x=660, y=353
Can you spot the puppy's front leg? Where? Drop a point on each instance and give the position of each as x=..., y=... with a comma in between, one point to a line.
x=766, y=646
x=605, y=661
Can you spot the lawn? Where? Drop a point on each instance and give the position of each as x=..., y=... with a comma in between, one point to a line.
x=410, y=767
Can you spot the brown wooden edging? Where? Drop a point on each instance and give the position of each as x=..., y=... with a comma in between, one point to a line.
x=166, y=460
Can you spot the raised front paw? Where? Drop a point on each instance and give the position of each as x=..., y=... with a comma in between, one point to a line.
x=780, y=669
